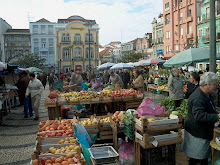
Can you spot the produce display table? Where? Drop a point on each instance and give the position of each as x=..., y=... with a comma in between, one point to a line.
x=215, y=146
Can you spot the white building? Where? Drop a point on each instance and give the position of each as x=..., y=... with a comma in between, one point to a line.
x=43, y=41
x=4, y=26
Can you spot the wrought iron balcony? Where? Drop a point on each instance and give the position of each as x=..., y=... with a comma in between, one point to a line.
x=77, y=42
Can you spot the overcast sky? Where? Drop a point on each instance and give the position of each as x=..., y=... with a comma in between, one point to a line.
x=119, y=20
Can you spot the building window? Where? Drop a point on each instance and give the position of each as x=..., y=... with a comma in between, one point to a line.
x=65, y=37
x=181, y=31
x=190, y=29
x=78, y=52
x=181, y=1
x=50, y=42
x=181, y=16
x=167, y=7
x=87, y=37
x=200, y=33
x=66, y=53
x=189, y=13
x=43, y=29
x=167, y=20
x=36, y=43
x=177, y=47
x=207, y=34
x=50, y=29
x=35, y=29
x=77, y=38
x=43, y=43
x=207, y=13
x=87, y=52
x=217, y=7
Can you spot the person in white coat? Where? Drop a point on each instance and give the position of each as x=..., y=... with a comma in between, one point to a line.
x=35, y=89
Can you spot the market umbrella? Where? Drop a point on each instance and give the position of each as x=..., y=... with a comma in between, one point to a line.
x=122, y=66
x=34, y=70
x=192, y=55
x=105, y=66
x=140, y=63
x=153, y=61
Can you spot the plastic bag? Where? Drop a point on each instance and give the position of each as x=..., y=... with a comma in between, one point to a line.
x=126, y=154
x=147, y=107
x=82, y=135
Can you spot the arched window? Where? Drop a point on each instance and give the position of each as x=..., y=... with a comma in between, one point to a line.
x=91, y=53
x=77, y=52
x=77, y=38
x=87, y=38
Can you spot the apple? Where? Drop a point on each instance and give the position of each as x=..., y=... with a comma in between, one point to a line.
x=62, y=158
x=58, y=160
x=43, y=161
x=35, y=162
x=48, y=162
x=71, y=160
x=69, y=155
x=53, y=159
x=65, y=163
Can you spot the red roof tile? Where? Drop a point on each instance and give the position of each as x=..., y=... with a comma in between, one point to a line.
x=100, y=46
x=43, y=20
x=104, y=52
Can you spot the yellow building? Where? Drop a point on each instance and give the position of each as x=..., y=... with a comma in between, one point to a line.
x=72, y=45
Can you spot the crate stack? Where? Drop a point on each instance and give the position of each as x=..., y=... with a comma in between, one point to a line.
x=105, y=130
x=156, y=139
x=117, y=129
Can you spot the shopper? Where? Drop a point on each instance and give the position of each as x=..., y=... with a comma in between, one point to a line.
x=72, y=78
x=43, y=79
x=193, y=84
x=35, y=89
x=22, y=86
x=50, y=80
x=106, y=76
x=200, y=121
x=95, y=84
x=78, y=81
x=175, y=86
x=138, y=81
x=115, y=79
x=126, y=78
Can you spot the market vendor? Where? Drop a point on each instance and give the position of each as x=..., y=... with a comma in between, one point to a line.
x=138, y=81
x=175, y=86
x=115, y=79
x=200, y=121
x=95, y=84
x=193, y=84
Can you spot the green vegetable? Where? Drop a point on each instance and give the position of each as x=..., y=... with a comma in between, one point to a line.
x=183, y=108
x=168, y=103
x=175, y=112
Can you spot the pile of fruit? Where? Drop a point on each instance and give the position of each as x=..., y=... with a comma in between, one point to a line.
x=67, y=140
x=56, y=133
x=104, y=120
x=66, y=149
x=163, y=87
x=149, y=119
x=69, y=159
x=118, y=116
x=88, y=122
x=52, y=125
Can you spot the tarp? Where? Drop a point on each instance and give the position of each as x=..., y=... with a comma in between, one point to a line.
x=192, y=55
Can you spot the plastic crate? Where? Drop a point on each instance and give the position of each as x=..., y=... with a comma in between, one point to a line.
x=165, y=155
x=129, y=131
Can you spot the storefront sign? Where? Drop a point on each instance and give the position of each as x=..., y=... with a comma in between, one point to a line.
x=160, y=51
x=73, y=28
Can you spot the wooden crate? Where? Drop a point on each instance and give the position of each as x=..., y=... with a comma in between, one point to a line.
x=133, y=104
x=105, y=130
x=116, y=129
x=158, y=126
x=54, y=112
x=145, y=140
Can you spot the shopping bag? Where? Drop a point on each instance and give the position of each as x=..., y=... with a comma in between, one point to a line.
x=147, y=107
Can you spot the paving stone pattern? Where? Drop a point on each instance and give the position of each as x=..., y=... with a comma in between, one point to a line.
x=18, y=134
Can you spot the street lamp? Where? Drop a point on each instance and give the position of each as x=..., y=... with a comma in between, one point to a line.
x=89, y=27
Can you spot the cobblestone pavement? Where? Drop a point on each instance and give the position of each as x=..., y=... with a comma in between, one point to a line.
x=18, y=134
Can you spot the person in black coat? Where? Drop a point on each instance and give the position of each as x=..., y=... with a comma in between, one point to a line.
x=200, y=121
x=193, y=84
x=125, y=78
